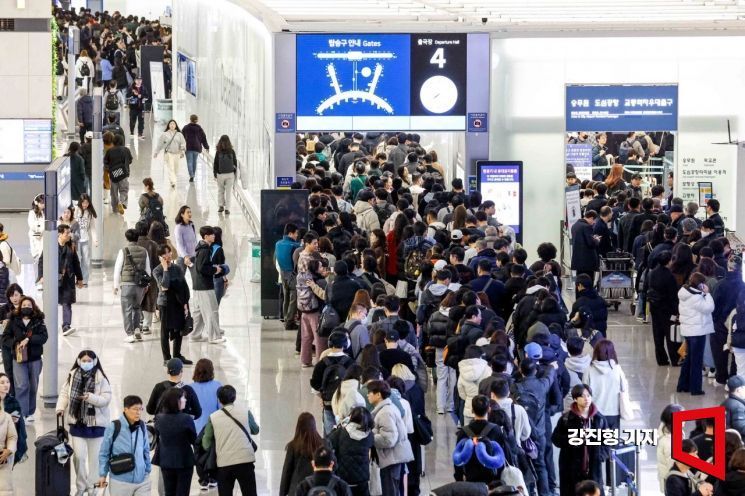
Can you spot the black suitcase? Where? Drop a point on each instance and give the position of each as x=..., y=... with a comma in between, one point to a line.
x=625, y=460
x=53, y=477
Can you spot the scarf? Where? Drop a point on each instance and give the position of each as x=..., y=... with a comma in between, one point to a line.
x=586, y=424
x=81, y=383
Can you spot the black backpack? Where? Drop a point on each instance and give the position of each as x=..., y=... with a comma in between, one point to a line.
x=85, y=71
x=333, y=376
x=327, y=490
x=384, y=213
x=530, y=402
x=225, y=163
x=112, y=102
x=154, y=212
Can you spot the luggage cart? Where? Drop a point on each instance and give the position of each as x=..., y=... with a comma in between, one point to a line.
x=625, y=461
x=616, y=282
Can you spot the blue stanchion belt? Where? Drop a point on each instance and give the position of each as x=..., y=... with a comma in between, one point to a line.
x=630, y=476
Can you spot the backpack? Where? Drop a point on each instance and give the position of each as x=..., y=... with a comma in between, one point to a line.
x=327, y=490
x=85, y=71
x=333, y=376
x=468, y=448
x=306, y=301
x=154, y=211
x=225, y=163
x=575, y=378
x=413, y=264
x=112, y=102
x=383, y=212
x=623, y=150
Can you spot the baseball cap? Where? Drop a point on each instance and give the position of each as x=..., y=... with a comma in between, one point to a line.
x=735, y=382
x=439, y=265
x=534, y=351
x=89, y=134
x=391, y=335
x=456, y=235
x=174, y=366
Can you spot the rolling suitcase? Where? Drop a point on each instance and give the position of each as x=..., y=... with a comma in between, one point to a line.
x=53, y=460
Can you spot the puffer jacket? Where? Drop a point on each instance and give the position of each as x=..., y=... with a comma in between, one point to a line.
x=735, y=410
x=664, y=455
x=439, y=328
x=472, y=372
x=695, y=309
x=551, y=313
x=346, y=398
x=100, y=399
x=604, y=378
x=390, y=437
x=352, y=448
x=470, y=333
x=367, y=219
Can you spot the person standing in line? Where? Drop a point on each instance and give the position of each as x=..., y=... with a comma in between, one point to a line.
x=84, y=112
x=176, y=435
x=695, y=308
x=127, y=434
x=224, y=168
x=129, y=261
x=283, y=251
x=205, y=386
x=85, y=397
x=299, y=454
x=117, y=160
x=390, y=439
x=85, y=216
x=29, y=335
x=195, y=141
x=84, y=70
x=13, y=294
x=585, y=245
x=150, y=300
x=136, y=101
x=186, y=239
x=36, y=227
x=173, y=303
x=228, y=428
x=323, y=475
x=9, y=439
x=173, y=144
x=68, y=277
x=77, y=171
x=352, y=443
x=218, y=258
x=205, y=311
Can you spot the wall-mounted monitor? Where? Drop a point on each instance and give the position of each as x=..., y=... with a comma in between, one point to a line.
x=502, y=183
x=187, y=73
x=25, y=141
x=381, y=82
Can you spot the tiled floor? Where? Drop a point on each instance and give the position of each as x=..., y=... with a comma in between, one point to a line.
x=258, y=358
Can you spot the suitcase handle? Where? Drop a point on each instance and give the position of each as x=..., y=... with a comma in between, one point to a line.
x=61, y=433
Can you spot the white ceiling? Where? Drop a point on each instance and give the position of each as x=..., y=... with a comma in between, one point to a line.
x=503, y=15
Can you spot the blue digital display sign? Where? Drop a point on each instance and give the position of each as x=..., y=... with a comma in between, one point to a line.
x=622, y=108
x=378, y=82
x=502, y=183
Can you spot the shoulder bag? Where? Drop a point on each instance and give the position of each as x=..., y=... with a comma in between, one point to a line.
x=142, y=279
x=124, y=462
x=243, y=428
x=624, y=401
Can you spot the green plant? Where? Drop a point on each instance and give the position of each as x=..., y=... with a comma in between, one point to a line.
x=55, y=41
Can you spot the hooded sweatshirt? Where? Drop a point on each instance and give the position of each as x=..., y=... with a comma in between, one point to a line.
x=346, y=398
x=604, y=378
x=367, y=219
x=472, y=372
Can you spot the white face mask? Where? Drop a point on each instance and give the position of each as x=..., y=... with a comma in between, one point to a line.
x=705, y=233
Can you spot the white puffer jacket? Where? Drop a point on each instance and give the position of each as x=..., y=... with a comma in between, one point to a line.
x=472, y=372
x=100, y=399
x=695, y=309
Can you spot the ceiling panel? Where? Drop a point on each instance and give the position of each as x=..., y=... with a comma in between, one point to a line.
x=508, y=15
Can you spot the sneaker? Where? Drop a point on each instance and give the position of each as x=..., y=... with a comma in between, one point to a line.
x=222, y=332
x=227, y=212
x=120, y=209
x=29, y=419
x=185, y=360
x=141, y=137
x=213, y=483
x=146, y=330
x=124, y=206
x=173, y=185
x=221, y=209
x=132, y=135
x=219, y=340
x=129, y=339
x=198, y=339
x=204, y=487
x=711, y=374
x=138, y=335
x=191, y=179
x=67, y=330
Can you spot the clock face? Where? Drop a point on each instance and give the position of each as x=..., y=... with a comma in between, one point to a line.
x=438, y=94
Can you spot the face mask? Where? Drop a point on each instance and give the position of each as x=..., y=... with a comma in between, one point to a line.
x=27, y=312
x=705, y=234
x=87, y=366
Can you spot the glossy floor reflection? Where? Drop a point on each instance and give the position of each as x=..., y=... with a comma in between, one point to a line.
x=258, y=358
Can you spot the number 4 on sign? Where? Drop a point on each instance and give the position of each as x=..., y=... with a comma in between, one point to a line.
x=438, y=58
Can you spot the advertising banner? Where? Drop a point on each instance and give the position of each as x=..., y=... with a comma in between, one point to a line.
x=573, y=206
x=501, y=182
x=621, y=108
x=580, y=157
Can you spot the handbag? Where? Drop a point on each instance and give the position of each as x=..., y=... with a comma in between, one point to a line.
x=512, y=476
x=624, y=401
x=675, y=336
x=402, y=289
x=376, y=487
x=142, y=278
x=188, y=324
x=21, y=353
x=243, y=428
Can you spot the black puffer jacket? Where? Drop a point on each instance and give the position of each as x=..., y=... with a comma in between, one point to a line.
x=35, y=331
x=591, y=301
x=439, y=328
x=523, y=317
x=352, y=448
x=470, y=333
x=551, y=313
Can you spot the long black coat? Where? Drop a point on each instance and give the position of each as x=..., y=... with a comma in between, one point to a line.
x=571, y=457
x=69, y=268
x=584, y=247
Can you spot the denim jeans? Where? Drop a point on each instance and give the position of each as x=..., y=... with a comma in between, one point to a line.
x=66, y=314
x=329, y=421
x=192, y=158
x=690, y=379
x=390, y=480
x=219, y=289
x=131, y=299
x=26, y=377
